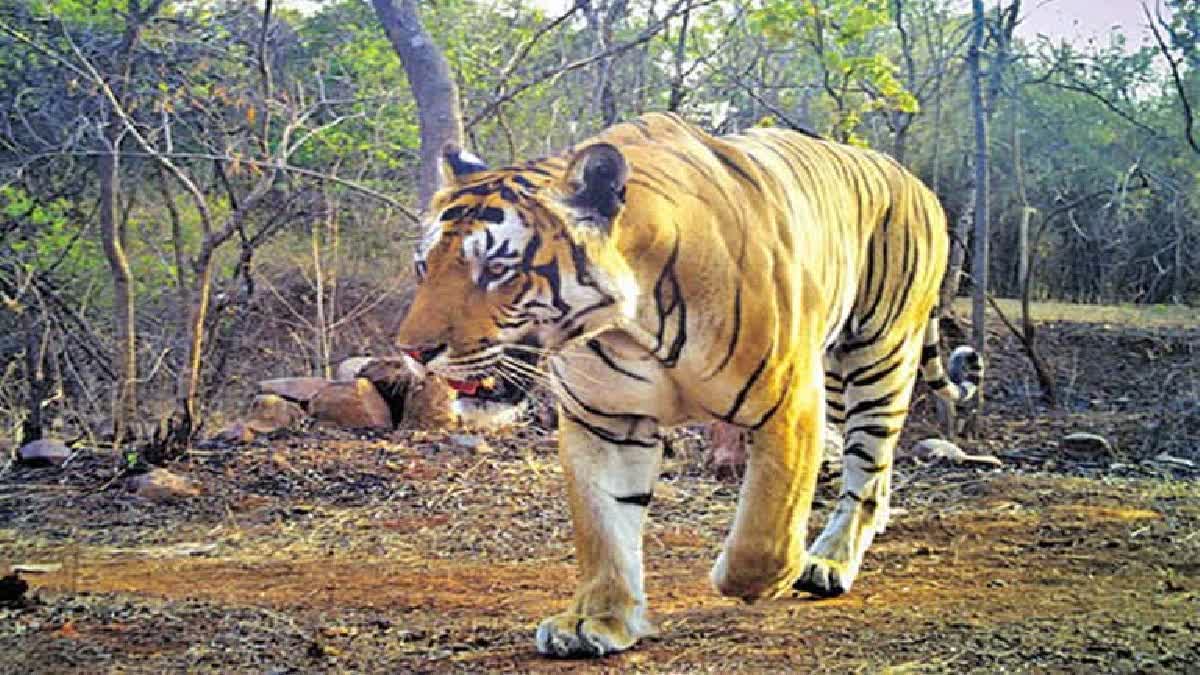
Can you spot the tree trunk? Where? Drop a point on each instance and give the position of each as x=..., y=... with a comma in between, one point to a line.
x=433, y=88
x=958, y=254
x=678, y=91
x=601, y=20
x=35, y=371
x=979, y=262
x=124, y=360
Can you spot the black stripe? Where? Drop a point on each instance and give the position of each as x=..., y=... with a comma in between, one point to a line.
x=857, y=450
x=745, y=390
x=737, y=329
x=929, y=353
x=491, y=214
x=787, y=386
x=866, y=317
x=870, y=404
x=639, y=499
x=939, y=383
x=590, y=409
x=876, y=430
x=676, y=301
x=836, y=406
x=606, y=435
x=853, y=376
x=733, y=166
x=594, y=345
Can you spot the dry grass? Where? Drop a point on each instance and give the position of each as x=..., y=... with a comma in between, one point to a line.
x=413, y=553
x=1141, y=316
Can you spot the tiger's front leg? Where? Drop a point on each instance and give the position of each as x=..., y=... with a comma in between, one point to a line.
x=765, y=550
x=611, y=464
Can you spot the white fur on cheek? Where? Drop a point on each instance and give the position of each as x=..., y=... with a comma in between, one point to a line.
x=510, y=230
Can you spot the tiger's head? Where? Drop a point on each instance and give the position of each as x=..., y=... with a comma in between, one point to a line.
x=514, y=263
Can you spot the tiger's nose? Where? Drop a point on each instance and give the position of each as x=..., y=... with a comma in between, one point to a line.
x=423, y=354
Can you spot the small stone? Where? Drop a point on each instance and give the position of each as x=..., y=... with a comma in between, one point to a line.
x=295, y=389
x=270, y=412
x=470, y=442
x=937, y=448
x=44, y=452
x=1082, y=442
x=1164, y=458
x=12, y=591
x=161, y=485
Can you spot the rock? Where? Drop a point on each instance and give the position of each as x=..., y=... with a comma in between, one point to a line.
x=1083, y=442
x=1164, y=458
x=12, y=591
x=44, y=452
x=238, y=432
x=270, y=412
x=160, y=485
x=354, y=405
x=937, y=448
x=349, y=369
x=300, y=390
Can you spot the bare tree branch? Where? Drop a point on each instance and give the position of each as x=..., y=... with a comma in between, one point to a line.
x=550, y=74
x=1189, y=120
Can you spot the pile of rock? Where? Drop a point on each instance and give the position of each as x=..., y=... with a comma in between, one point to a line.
x=366, y=393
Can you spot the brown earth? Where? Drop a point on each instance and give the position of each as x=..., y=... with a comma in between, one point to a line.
x=422, y=552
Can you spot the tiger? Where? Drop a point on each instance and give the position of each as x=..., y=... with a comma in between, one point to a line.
x=656, y=275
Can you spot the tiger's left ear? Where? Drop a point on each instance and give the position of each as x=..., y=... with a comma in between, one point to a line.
x=595, y=185
x=454, y=163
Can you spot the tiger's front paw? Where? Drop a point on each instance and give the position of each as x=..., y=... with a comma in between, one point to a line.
x=570, y=635
x=753, y=578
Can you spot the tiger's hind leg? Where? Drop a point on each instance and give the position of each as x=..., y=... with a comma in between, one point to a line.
x=878, y=385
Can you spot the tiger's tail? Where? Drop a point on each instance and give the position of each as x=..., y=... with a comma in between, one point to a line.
x=965, y=366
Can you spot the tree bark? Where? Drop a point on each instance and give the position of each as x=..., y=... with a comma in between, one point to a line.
x=678, y=91
x=438, y=111
x=979, y=262
x=124, y=358
x=958, y=253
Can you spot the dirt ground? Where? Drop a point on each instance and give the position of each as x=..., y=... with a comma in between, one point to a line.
x=441, y=552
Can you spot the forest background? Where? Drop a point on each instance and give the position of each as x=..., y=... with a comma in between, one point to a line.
x=195, y=196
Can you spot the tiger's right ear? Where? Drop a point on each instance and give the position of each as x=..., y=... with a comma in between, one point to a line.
x=595, y=185
x=454, y=163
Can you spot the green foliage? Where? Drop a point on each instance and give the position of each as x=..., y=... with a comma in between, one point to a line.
x=844, y=36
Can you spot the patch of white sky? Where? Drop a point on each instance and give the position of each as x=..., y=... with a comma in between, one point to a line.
x=1080, y=22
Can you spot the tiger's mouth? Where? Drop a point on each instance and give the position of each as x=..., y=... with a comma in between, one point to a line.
x=488, y=388
x=498, y=384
